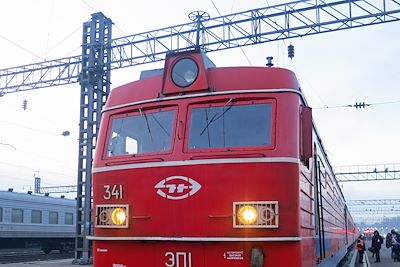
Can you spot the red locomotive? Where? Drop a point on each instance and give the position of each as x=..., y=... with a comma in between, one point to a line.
x=203, y=166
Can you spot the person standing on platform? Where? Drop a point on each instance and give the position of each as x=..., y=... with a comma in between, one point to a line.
x=377, y=241
x=395, y=245
x=360, y=246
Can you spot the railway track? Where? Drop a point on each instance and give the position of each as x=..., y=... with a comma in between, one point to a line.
x=24, y=255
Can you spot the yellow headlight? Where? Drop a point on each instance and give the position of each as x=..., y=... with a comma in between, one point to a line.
x=247, y=214
x=118, y=216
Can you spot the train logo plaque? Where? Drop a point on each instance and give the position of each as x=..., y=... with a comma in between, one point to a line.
x=177, y=187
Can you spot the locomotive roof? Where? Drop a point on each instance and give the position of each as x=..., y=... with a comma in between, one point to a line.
x=219, y=80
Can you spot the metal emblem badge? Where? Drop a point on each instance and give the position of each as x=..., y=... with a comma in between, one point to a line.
x=177, y=187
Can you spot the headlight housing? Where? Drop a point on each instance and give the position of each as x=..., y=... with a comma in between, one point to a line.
x=112, y=216
x=118, y=216
x=184, y=72
x=256, y=214
x=247, y=214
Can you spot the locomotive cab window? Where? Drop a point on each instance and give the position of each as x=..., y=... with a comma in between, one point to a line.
x=230, y=125
x=141, y=132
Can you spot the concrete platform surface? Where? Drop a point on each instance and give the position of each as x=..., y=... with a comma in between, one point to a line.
x=386, y=259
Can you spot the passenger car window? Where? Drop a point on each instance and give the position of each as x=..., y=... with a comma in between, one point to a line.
x=36, y=216
x=53, y=217
x=232, y=125
x=69, y=218
x=17, y=215
x=144, y=132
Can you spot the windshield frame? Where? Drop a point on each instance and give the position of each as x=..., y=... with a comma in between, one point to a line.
x=231, y=102
x=140, y=111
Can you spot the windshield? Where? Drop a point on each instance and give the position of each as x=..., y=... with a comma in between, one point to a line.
x=231, y=125
x=144, y=132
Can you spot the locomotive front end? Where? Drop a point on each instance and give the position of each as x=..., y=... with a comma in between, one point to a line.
x=194, y=168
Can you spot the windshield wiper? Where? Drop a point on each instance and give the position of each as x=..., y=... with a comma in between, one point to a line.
x=147, y=123
x=161, y=126
x=218, y=116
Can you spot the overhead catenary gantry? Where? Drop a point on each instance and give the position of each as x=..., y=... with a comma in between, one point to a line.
x=296, y=19
x=373, y=211
x=101, y=54
x=373, y=202
x=375, y=172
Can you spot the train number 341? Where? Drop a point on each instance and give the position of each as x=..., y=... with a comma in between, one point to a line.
x=113, y=191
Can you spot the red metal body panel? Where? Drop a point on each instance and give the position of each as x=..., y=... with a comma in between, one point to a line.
x=153, y=254
x=208, y=213
x=198, y=229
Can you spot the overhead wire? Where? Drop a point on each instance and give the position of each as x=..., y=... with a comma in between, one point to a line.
x=33, y=168
x=50, y=25
x=95, y=10
x=60, y=42
x=21, y=47
x=92, y=8
x=41, y=57
x=308, y=82
x=241, y=49
x=68, y=137
x=357, y=105
x=294, y=66
x=29, y=128
x=22, y=176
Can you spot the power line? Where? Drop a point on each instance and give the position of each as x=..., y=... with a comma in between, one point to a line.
x=306, y=80
x=91, y=7
x=292, y=62
x=241, y=49
x=60, y=42
x=360, y=105
x=41, y=57
x=5, y=144
x=29, y=128
x=86, y=3
x=19, y=46
x=55, y=172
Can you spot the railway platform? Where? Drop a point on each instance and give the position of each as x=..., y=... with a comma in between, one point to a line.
x=369, y=261
x=386, y=261
x=49, y=263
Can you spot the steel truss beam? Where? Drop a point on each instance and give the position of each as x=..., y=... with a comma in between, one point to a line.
x=296, y=19
x=376, y=172
x=395, y=211
x=58, y=189
x=373, y=202
x=376, y=219
x=374, y=211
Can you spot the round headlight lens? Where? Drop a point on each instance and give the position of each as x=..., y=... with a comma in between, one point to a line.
x=118, y=216
x=184, y=72
x=247, y=214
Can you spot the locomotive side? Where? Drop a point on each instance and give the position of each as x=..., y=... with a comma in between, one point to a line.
x=28, y=220
x=206, y=166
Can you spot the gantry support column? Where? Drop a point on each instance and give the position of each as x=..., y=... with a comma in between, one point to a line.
x=95, y=87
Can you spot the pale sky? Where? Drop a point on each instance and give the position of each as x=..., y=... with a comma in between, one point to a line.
x=334, y=69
